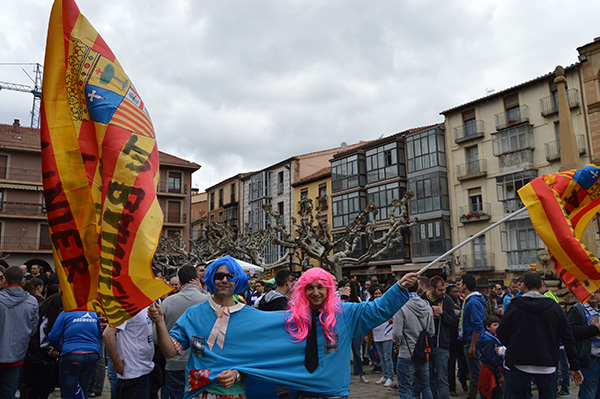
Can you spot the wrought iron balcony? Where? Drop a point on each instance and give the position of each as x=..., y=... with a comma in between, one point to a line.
x=475, y=212
x=471, y=169
x=22, y=209
x=471, y=130
x=163, y=187
x=553, y=148
x=11, y=243
x=511, y=117
x=521, y=260
x=478, y=261
x=21, y=174
x=549, y=105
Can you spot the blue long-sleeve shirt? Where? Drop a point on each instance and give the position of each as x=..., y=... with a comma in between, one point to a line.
x=472, y=315
x=76, y=331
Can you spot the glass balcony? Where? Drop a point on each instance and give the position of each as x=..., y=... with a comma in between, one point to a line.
x=521, y=260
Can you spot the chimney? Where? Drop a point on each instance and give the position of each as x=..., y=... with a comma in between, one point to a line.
x=16, y=123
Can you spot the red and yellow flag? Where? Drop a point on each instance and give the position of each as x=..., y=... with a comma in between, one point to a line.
x=560, y=206
x=100, y=170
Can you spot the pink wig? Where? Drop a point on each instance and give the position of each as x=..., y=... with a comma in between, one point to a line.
x=299, y=317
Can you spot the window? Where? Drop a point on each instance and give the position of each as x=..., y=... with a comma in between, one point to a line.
x=348, y=173
x=304, y=193
x=258, y=217
x=431, y=193
x=425, y=150
x=280, y=183
x=385, y=162
x=174, y=182
x=507, y=187
x=512, y=140
x=511, y=105
x=220, y=198
x=479, y=253
x=45, y=241
x=346, y=207
x=212, y=201
x=173, y=212
x=174, y=234
x=280, y=209
x=472, y=156
x=232, y=193
x=431, y=238
x=322, y=190
x=475, y=200
x=469, y=122
x=3, y=166
x=382, y=196
x=520, y=242
x=221, y=217
x=260, y=185
x=231, y=216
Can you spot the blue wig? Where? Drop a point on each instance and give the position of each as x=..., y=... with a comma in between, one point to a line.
x=241, y=279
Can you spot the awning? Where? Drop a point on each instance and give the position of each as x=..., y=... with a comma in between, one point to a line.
x=415, y=267
x=22, y=187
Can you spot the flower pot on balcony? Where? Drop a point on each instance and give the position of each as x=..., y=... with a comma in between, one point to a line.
x=474, y=216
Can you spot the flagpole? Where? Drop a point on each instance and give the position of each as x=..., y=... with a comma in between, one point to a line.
x=462, y=244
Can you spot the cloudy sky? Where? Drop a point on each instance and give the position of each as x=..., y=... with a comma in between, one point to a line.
x=239, y=85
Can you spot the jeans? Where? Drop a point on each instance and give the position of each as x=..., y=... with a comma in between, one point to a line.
x=590, y=388
x=356, y=357
x=474, y=367
x=100, y=373
x=76, y=368
x=438, y=373
x=457, y=353
x=518, y=384
x=113, y=377
x=565, y=374
x=409, y=372
x=175, y=380
x=9, y=381
x=384, y=348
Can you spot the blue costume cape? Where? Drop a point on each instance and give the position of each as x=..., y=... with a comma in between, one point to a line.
x=258, y=344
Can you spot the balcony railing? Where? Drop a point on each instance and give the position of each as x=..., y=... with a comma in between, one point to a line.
x=22, y=209
x=511, y=117
x=549, y=105
x=521, y=260
x=479, y=261
x=21, y=174
x=23, y=243
x=553, y=148
x=475, y=212
x=471, y=169
x=163, y=187
x=468, y=131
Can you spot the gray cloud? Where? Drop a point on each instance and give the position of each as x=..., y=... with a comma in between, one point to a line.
x=237, y=86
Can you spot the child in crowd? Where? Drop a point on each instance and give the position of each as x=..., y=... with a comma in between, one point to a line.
x=491, y=377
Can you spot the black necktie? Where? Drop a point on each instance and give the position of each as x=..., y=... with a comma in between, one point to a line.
x=311, y=354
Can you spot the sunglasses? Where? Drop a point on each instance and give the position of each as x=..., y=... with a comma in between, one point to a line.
x=221, y=276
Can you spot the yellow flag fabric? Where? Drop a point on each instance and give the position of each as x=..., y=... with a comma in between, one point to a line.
x=100, y=169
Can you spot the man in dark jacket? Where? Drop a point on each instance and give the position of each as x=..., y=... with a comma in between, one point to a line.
x=585, y=325
x=445, y=320
x=532, y=329
x=278, y=299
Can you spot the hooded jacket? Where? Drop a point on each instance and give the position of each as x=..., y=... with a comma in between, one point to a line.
x=471, y=317
x=19, y=317
x=273, y=300
x=532, y=330
x=409, y=321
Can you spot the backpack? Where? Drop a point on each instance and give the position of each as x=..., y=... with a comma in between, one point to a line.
x=422, y=350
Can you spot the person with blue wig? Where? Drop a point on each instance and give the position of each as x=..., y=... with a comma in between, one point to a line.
x=223, y=335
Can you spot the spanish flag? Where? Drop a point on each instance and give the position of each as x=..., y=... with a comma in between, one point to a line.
x=100, y=170
x=560, y=206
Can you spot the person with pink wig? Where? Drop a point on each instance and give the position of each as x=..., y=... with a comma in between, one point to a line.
x=316, y=310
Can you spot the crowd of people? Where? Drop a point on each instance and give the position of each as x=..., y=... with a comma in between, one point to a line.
x=313, y=332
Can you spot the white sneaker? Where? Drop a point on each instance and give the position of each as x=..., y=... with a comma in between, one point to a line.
x=381, y=380
x=363, y=379
x=388, y=383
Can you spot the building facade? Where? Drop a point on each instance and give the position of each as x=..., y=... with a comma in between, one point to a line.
x=495, y=146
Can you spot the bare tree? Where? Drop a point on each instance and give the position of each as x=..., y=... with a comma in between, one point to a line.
x=310, y=238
